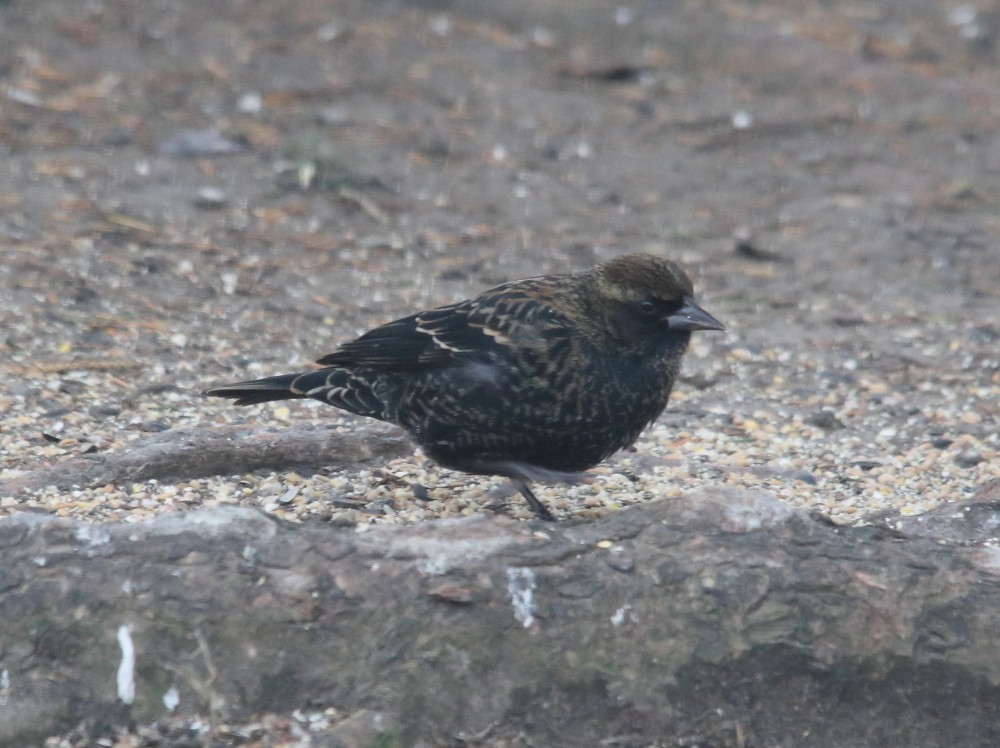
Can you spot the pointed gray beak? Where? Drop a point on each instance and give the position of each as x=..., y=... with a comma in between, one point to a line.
x=692, y=317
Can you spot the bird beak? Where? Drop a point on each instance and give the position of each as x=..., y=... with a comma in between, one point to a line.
x=692, y=317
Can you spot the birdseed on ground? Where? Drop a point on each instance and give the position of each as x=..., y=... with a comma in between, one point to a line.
x=863, y=442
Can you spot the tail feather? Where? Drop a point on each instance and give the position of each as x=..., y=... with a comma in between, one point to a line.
x=258, y=391
x=352, y=391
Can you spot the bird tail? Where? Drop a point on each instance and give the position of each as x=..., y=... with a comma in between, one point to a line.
x=349, y=390
x=257, y=391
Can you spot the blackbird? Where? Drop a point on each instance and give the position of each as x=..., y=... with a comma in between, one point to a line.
x=535, y=380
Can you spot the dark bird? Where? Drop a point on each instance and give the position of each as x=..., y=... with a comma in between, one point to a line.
x=535, y=380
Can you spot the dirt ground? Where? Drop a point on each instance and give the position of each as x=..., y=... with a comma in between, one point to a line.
x=201, y=192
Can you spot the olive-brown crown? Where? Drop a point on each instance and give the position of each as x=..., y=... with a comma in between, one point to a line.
x=607, y=301
x=634, y=277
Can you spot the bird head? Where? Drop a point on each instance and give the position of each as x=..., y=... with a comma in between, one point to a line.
x=641, y=299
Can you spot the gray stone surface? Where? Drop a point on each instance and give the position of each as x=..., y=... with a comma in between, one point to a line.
x=723, y=619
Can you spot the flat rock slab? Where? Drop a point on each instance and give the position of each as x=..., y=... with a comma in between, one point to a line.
x=725, y=618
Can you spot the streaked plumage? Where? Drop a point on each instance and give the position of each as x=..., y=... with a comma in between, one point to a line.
x=535, y=379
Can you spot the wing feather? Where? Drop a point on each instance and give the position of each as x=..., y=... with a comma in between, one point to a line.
x=512, y=315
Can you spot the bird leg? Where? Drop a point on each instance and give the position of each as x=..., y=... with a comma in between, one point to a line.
x=537, y=507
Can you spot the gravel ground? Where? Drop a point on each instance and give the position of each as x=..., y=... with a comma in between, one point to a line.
x=865, y=442
x=193, y=200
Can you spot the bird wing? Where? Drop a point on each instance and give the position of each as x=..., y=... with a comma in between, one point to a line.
x=512, y=315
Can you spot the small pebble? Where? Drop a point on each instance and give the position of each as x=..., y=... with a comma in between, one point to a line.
x=866, y=464
x=210, y=198
x=968, y=458
x=198, y=143
x=825, y=420
x=250, y=103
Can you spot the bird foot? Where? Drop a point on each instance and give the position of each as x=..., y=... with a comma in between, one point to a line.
x=537, y=508
x=500, y=495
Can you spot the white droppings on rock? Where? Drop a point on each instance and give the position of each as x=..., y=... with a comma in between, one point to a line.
x=126, y=668
x=171, y=698
x=618, y=617
x=521, y=588
x=92, y=534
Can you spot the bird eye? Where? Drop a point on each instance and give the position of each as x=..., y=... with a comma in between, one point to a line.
x=646, y=306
